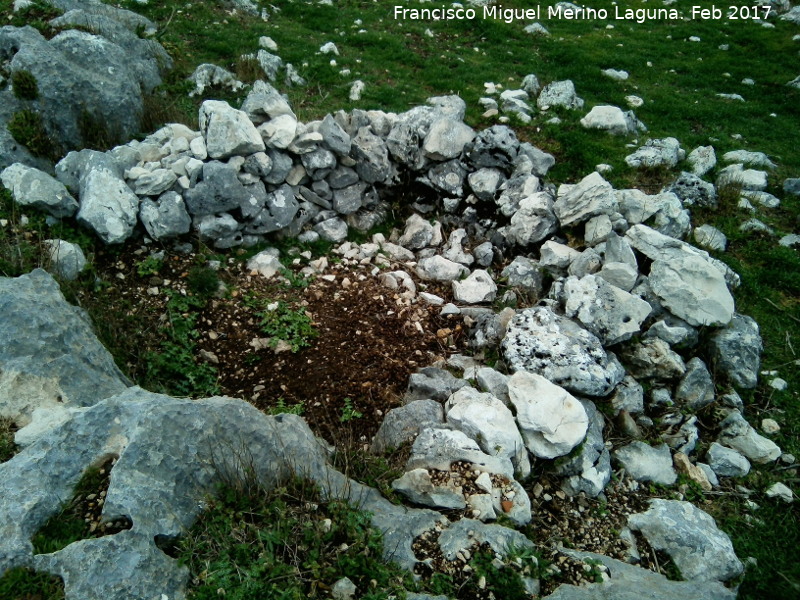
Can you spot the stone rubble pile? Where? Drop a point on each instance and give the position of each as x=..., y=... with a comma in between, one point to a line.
x=631, y=307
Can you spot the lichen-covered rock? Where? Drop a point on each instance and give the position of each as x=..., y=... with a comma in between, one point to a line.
x=541, y=342
x=592, y=196
x=736, y=351
x=227, y=131
x=646, y=463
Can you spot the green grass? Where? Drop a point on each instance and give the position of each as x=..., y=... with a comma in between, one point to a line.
x=283, y=323
x=286, y=544
x=26, y=584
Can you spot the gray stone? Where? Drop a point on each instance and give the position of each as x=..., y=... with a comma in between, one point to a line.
x=736, y=351
x=693, y=191
x=534, y=220
x=496, y=146
x=561, y=94
x=629, y=396
x=674, y=331
x=66, y=259
x=619, y=274
x=780, y=491
x=791, y=185
x=491, y=424
x=656, y=153
x=514, y=191
x=629, y=582
x=154, y=182
x=107, y=206
x=790, y=241
x=280, y=208
x=438, y=268
x=219, y=191
x=738, y=434
x=597, y=230
x=402, y=424
x=446, y=139
x=348, y=200
x=466, y=534
x=691, y=538
x=371, y=155
x=524, y=274
x=334, y=137
x=746, y=179
x=448, y=177
x=611, y=119
x=645, y=463
x=588, y=469
x=432, y=383
x=541, y=342
x=551, y=420
x=653, y=358
x=592, y=196
x=216, y=227
x=711, y=238
x=31, y=187
x=318, y=160
x=754, y=159
x=50, y=357
x=227, y=131
x=692, y=290
x=332, y=230
x=281, y=167
x=79, y=73
x=211, y=76
x=657, y=246
x=696, y=389
x=418, y=487
x=478, y=287
x=726, y=462
x=531, y=160
x=485, y=182
x=343, y=589
x=494, y=382
x=702, y=159
x=418, y=233
x=556, y=257
x=610, y=313
x=454, y=249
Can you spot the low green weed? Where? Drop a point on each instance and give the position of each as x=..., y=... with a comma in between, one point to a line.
x=26, y=127
x=285, y=544
x=281, y=407
x=282, y=323
x=202, y=280
x=24, y=85
x=173, y=368
x=149, y=266
x=349, y=412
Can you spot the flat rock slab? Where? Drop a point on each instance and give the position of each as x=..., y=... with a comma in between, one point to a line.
x=690, y=536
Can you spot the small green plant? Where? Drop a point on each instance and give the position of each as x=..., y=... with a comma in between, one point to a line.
x=149, y=266
x=349, y=412
x=282, y=323
x=282, y=407
x=202, y=280
x=24, y=85
x=26, y=127
x=294, y=280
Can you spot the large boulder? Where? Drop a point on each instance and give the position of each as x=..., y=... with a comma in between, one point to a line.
x=49, y=357
x=86, y=81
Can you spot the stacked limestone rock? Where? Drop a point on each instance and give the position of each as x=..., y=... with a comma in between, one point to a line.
x=624, y=311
